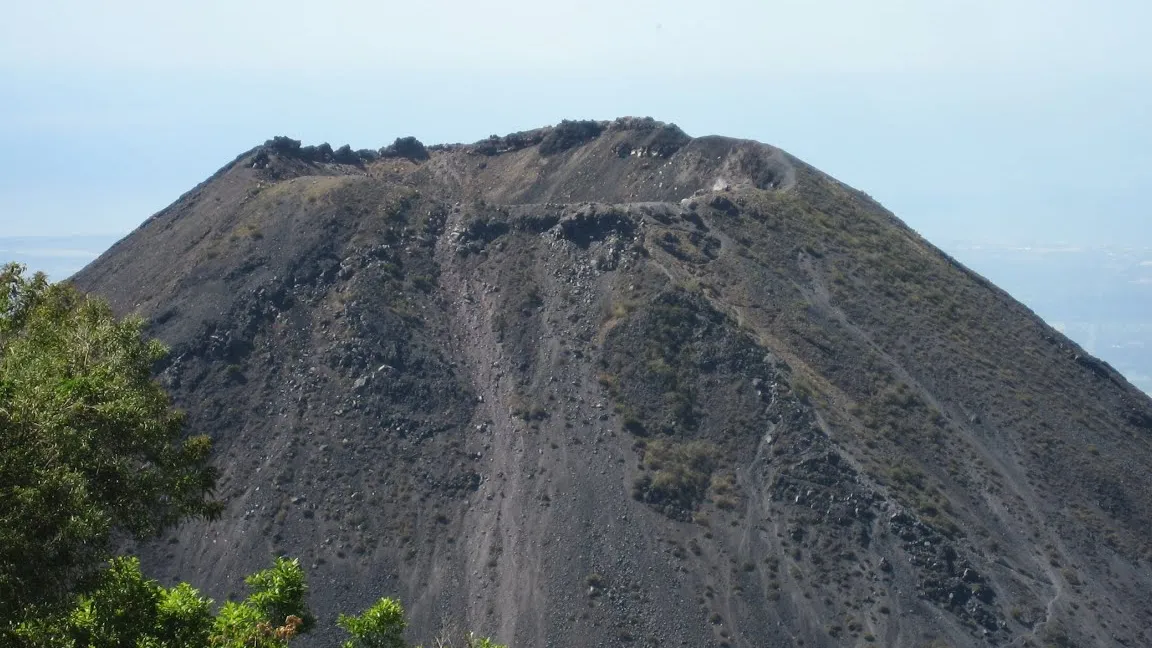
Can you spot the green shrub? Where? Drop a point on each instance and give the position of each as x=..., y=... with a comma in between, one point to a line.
x=380, y=626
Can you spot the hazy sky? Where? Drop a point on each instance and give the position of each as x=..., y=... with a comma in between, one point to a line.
x=999, y=120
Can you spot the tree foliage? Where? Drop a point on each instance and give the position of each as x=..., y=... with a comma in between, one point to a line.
x=273, y=613
x=127, y=610
x=89, y=443
x=380, y=626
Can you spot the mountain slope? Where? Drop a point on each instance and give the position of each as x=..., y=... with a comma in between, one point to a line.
x=606, y=384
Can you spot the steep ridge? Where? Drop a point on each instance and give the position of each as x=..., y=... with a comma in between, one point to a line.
x=606, y=384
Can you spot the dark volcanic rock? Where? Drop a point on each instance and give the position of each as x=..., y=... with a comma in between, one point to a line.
x=606, y=384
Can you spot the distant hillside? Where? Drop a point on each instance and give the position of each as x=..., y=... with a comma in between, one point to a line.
x=57, y=256
x=607, y=384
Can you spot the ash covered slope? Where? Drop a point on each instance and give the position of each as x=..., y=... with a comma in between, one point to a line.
x=605, y=384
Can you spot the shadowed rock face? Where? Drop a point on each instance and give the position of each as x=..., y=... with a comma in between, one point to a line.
x=610, y=385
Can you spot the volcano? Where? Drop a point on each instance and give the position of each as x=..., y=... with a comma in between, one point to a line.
x=606, y=384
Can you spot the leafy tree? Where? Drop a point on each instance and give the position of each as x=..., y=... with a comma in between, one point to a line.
x=89, y=444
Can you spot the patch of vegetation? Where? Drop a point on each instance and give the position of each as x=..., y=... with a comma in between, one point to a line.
x=246, y=231
x=234, y=373
x=907, y=476
x=691, y=247
x=632, y=423
x=535, y=413
x=723, y=489
x=669, y=358
x=667, y=366
x=803, y=389
x=423, y=283
x=910, y=485
x=899, y=414
x=678, y=474
x=619, y=310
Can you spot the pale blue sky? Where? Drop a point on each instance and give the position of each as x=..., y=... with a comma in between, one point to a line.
x=994, y=120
